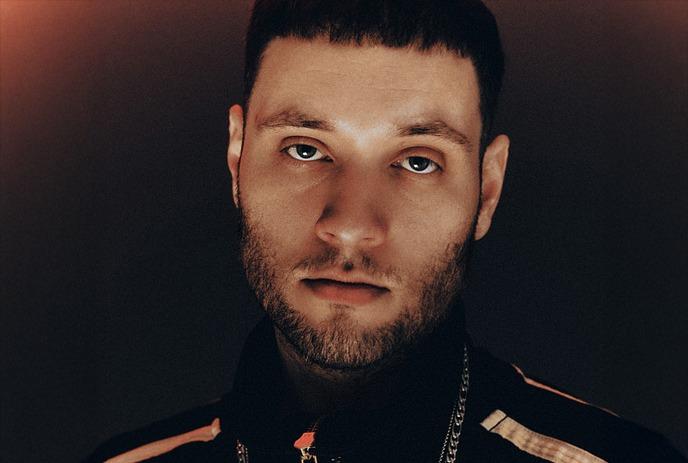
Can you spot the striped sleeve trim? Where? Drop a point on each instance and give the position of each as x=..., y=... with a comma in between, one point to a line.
x=542, y=446
x=159, y=447
x=544, y=387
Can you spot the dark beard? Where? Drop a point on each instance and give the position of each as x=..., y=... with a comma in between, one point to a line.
x=338, y=343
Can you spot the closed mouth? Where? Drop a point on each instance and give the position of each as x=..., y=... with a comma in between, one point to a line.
x=344, y=292
x=311, y=282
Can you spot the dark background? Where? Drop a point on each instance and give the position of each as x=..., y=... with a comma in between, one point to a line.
x=122, y=298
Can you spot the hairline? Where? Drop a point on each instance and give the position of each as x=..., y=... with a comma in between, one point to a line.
x=373, y=41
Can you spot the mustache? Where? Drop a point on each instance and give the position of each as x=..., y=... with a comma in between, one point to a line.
x=331, y=258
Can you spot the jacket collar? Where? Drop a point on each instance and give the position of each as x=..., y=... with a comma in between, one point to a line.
x=261, y=406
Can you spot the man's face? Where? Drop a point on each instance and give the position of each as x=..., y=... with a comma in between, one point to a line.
x=359, y=188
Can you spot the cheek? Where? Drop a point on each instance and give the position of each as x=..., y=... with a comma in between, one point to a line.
x=425, y=231
x=286, y=211
x=418, y=246
x=275, y=179
x=436, y=214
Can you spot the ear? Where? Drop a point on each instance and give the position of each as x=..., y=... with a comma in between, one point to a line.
x=236, y=139
x=493, y=169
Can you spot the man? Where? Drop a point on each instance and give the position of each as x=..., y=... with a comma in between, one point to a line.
x=363, y=168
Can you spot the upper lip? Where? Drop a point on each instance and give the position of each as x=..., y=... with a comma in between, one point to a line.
x=352, y=278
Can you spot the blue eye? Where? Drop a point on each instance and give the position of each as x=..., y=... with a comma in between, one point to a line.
x=302, y=152
x=419, y=165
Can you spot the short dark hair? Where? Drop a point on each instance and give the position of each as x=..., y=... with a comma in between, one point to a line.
x=466, y=27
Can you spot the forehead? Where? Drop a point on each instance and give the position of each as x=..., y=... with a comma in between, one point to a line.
x=366, y=85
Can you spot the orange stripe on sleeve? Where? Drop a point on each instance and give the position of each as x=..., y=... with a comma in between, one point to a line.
x=153, y=449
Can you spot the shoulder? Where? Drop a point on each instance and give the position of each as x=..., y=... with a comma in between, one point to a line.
x=553, y=425
x=195, y=429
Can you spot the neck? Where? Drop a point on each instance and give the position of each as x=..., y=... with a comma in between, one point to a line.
x=320, y=391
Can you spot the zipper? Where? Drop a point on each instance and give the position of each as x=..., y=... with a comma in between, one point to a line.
x=306, y=444
x=242, y=452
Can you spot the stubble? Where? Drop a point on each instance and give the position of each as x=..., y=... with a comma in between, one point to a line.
x=339, y=342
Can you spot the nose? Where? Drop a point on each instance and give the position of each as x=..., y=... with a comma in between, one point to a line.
x=352, y=220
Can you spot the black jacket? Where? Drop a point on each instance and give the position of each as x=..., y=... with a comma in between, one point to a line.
x=509, y=418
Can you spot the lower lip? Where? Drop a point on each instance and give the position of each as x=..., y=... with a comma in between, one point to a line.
x=345, y=293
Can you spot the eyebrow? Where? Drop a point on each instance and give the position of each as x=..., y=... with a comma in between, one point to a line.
x=439, y=129
x=291, y=118
x=436, y=128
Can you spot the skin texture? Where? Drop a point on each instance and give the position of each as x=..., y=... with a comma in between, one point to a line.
x=354, y=242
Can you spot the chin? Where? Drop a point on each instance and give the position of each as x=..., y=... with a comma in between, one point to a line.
x=326, y=316
x=344, y=337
